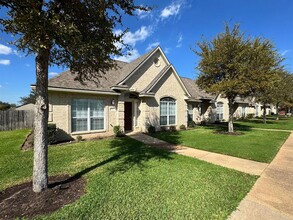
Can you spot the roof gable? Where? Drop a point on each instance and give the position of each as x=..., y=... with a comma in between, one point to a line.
x=139, y=62
x=157, y=79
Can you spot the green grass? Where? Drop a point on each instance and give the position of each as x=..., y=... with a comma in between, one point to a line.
x=255, y=145
x=127, y=180
x=282, y=124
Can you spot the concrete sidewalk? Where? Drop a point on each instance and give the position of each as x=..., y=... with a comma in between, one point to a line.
x=272, y=195
x=243, y=165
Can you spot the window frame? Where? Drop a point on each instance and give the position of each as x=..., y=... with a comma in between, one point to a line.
x=168, y=101
x=220, y=113
x=89, y=117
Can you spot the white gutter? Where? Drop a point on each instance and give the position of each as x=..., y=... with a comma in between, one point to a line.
x=79, y=91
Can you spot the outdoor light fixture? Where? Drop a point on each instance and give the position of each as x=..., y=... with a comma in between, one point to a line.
x=113, y=102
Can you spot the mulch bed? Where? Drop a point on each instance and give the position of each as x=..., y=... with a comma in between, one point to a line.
x=20, y=200
x=28, y=142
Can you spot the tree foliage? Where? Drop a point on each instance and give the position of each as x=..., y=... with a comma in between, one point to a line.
x=31, y=98
x=6, y=105
x=73, y=33
x=223, y=63
x=283, y=91
x=233, y=65
x=78, y=34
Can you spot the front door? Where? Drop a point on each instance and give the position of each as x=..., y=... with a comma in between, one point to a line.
x=128, y=116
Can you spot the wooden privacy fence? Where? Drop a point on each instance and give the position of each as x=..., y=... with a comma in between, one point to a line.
x=14, y=119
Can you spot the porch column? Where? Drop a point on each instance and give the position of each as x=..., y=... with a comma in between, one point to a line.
x=120, y=114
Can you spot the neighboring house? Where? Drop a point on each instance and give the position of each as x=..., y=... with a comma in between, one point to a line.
x=147, y=91
x=27, y=107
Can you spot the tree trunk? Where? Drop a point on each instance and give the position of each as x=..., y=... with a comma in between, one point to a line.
x=230, y=120
x=277, y=111
x=264, y=114
x=40, y=170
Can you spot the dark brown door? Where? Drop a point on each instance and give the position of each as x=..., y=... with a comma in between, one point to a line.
x=128, y=116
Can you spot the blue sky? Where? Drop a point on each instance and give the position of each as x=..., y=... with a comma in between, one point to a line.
x=176, y=26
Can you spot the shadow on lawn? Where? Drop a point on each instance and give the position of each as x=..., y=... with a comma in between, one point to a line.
x=127, y=154
x=223, y=126
x=134, y=153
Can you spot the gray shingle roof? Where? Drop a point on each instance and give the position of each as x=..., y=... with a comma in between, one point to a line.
x=109, y=79
x=194, y=90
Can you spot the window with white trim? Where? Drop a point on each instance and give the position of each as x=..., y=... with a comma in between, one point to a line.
x=87, y=115
x=167, y=111
x=220, y=111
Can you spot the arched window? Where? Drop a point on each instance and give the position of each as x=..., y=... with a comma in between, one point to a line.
x=220, y=111
x=167, y=111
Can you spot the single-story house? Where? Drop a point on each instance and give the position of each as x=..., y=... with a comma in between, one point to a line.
x=147, y=91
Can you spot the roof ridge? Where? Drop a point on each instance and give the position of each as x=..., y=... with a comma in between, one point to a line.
x=140, y=60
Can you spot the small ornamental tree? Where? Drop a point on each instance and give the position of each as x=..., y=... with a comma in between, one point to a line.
x=73, y=33
x=223, y=66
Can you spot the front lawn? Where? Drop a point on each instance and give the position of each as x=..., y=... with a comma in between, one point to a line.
x=127, y=180
x=283, y=123
x=255, y=145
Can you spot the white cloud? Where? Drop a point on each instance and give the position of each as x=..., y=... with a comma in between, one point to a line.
x=5, y=62
x=170, y=10
x=167, y=50
x=5, y=50
x=131, y=39
x=143, y=14
x=133, y=54
x=152, y=45
x=53, y=73
x=179, y=41
x=285, y=52
x=141, y=34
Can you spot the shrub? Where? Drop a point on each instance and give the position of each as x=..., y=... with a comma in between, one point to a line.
x=163, y=128
x=79, y=138
x=151, y=129
x=250, y=116
x=118, y=131
x=52, y=133
x=182, y=127
x=191, y=124
x=172, y=128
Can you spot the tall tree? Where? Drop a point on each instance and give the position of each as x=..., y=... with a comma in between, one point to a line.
x=283, y=91
x=74, y=33
x=264, y=72
x=31, y=98
x=223, y=66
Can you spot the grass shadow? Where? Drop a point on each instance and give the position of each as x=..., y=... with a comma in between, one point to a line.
x=223, y=126
x=173, y=137
x=133, y=153
x=127, y=153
